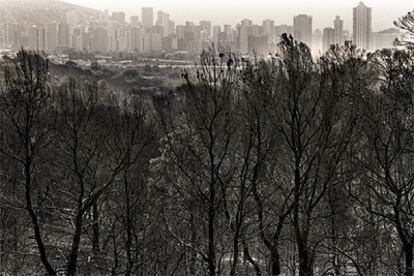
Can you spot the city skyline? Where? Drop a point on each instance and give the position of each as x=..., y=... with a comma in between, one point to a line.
x=384, y=12
x=87, y=30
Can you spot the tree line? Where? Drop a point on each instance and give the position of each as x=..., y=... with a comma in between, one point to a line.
x=283, y=165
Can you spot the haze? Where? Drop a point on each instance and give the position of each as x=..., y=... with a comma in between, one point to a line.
x=232, y=11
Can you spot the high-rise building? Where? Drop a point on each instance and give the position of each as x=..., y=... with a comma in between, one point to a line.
x=37, y=38
x=362, y=26
x=328, y=38
x=156, y=42
x=269, y=30
x=119, y=17
x=283, y=29
x=72, y=17
x=77, y=39
x=163, y=20
x=258, y=44
x=52, y=34
x=228, y=29
x=246, y=22
x=134, y=21
x=317, y=42
x=63, y=34
x=216, y=32
x=339, y=30
x=191, y=31
x=245, y=30
x=171, y=28
x=147, y=18
x=257, y=30
x=135, y=39
x=11, y=35
x=302, y=28
x=180, y=30
x=385, y=38
x=99, y=40
x=169, y=43
x=206, y=27
x=114, y=38
x=87, y=41
x=105, y=17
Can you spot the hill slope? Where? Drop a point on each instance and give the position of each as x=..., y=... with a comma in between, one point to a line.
x=41, y=11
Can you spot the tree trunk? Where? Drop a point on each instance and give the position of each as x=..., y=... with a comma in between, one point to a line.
x=35, y=222
x=129, y=226
x=408, y=252
x=73, y=257
x=95, y=239
x=251, y=260
x=211, y=219
x=235, y=255
x=211, y=242
x=275, y=261
x=305, y=263
x=128, y=245
x=193, y=254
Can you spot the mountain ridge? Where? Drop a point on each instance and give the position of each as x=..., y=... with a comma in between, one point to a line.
x=41, y=11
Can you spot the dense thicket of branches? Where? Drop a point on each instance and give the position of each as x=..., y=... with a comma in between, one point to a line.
x=276, y=166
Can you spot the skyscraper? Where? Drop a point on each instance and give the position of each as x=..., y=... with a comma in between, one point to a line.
x=362, y=26
x=147, y=18
x=216, y=32
x=245, y=30
x=37, y=38
x=119, y=17
x=385, y=38
x=328, y=38
x=135, y=39
x=339, y=30
x=317, y=42
x=63, y=34
x=77, y=39
x=52, y=35
x=302, y=28
x=269, y=30
x=283, y=29
x=100, y=40
x=228, y=30
x=163, y=20
x=134, y=21
x=206, y=26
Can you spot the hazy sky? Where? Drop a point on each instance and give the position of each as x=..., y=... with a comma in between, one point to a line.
x=232, y=11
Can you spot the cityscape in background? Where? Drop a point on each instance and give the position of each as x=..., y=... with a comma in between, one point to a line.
x=154, y=32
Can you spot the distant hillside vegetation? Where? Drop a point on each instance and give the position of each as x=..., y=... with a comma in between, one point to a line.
x=41, y=11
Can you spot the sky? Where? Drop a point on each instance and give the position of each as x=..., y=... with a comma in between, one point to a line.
x=281, y=11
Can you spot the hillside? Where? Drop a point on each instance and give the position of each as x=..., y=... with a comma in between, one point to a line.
x=41, y=11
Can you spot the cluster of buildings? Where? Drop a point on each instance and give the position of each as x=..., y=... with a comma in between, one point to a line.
x=154, y=33
x=362, y=34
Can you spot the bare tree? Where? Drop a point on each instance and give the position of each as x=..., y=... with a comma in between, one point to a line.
x=389, y=143
x=271, y=190
x=89, y=163
x=136, y=140
x=26, y=110
x=198, y=143
x=317, y=132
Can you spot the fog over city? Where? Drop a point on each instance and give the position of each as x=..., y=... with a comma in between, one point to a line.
x=232, y=11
